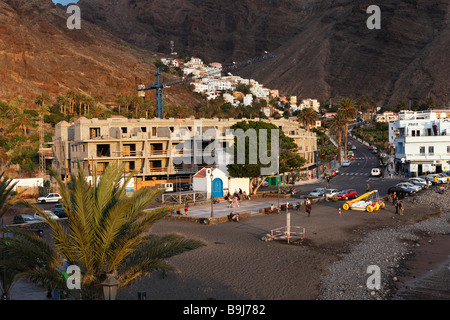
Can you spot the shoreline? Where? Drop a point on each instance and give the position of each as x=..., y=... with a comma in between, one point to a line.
x=427, y=267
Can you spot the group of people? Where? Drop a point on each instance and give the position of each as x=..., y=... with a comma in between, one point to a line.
x=233, y=200
x=398, y=203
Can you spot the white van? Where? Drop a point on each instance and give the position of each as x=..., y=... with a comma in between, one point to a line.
x=375, y=172
x=167, y=186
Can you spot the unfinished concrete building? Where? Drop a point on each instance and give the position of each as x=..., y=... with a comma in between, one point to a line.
x=154, y=148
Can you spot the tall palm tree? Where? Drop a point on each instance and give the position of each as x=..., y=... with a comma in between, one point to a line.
x=348, y=108
x=7, y=196
x=98, y=99
x=21, y=122
x=89, y=102
x=42, y=99
x=70, y=94
x=337, y=125
x=308, y=117
x=108, y=233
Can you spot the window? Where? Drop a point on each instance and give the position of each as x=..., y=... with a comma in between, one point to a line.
x=124, y=129
x=431, y=150
x=94, y=132
x=448, y=149
x=422, y=150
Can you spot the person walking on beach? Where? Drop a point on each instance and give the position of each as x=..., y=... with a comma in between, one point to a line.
x=394, y=198
x=400, y=207
x=308, y=206
x=186, y=209
x=235, y=202
x=367, y=188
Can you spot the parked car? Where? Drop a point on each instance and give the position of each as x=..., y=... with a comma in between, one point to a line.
x=60, y=211
x=329, y=193
x=24, y=218
x=48, y=213
x=440, y=179
x=370, y=148
x=347, y=194
x=183, y=187
x=350, y=154
x=375, y=172
x=346, y=163
x=401, y=191
x=353, y=147
x=318, y=192
x=410, y=185
x=444, y=175
x=51, y=197
x=420, y=182
x=167, y=186
x=330, y=173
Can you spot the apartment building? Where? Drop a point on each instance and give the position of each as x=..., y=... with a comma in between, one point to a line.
x=154, y=148
x=422, y=141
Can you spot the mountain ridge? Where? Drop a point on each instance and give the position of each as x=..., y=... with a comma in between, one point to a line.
x=324, y=49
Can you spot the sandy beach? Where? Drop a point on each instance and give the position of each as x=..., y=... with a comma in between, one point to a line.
x=236, y=264
x=330, y=264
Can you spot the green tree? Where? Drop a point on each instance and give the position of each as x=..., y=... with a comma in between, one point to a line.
x=289, y=160
x=347, y=107
x=108, y=233
x=337, y=125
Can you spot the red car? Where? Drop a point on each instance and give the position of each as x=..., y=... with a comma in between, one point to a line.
x=347, y=194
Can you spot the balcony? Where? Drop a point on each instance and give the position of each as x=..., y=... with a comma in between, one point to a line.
x=128, y=153
x=427, y=156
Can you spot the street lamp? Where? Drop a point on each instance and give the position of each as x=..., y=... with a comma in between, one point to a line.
x=212, y=209
x=110, y=286
x=278, y=180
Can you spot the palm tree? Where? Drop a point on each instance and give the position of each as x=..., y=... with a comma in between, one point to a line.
x=348, y=108
x=308, y=117
x=98, y=99
x=108, y=233
x=42, y=99
x=7, y=200
x=7, y=197
x=21, y=122
x=62, y=101
x=89, y=102
x=70, y=94
x=337, y=125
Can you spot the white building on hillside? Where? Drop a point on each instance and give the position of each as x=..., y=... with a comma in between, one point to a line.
x=310, y=103
x=422, y=141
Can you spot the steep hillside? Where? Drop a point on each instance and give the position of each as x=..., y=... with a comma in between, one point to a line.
x=39, y=53
x=324, y=49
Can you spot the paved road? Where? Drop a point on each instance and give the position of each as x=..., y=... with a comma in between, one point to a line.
x=356, y=176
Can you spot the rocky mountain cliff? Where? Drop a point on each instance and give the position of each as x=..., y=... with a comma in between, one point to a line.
x=324, y=48
x=39, y=53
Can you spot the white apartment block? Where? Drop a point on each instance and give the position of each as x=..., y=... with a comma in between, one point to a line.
x=247, y=100
x=387, y=116
x=310, y=103
x=422, y=141
x=260, y=92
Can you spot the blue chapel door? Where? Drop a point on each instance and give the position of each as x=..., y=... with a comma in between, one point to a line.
x=217, y=188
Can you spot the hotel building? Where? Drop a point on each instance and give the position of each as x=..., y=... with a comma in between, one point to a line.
x=422, y=141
